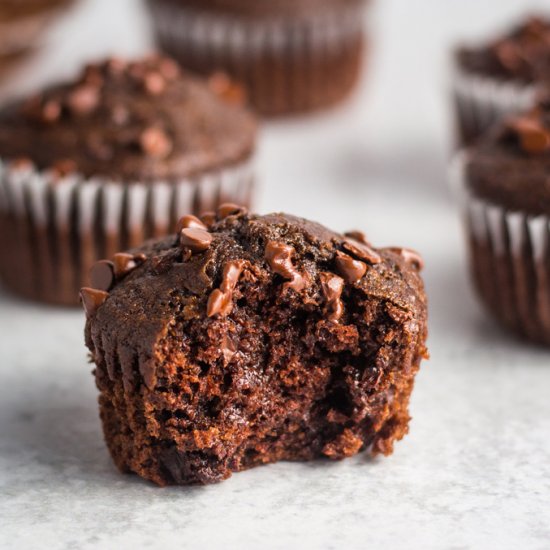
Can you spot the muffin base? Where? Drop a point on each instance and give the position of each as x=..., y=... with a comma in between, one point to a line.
x=199, y=419
x=287, y=66
x=52, y=231
x=480, y=102
x=510, y=264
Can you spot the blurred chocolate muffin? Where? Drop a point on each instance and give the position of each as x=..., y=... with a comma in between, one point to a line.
x=501, y=76
x=98, y=165
x=291, y=55
x=504, y=182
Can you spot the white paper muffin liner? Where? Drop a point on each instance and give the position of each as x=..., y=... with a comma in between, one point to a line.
x=297, y=49
x=510, y=259
x=482, y=101
x=53, y=230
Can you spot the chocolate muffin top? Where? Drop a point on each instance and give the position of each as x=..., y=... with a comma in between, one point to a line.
x=522, y=55
x=277, y=260
x=128, y=121
x=511, y=165
x=270, y=8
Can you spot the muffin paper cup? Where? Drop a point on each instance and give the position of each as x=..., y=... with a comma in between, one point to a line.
x=286, y=63
x=482, y=101
x=53, y=230
x=510, y=260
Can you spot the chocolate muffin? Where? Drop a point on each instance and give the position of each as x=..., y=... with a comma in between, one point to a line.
x=505, y=185
x=23, y=22
x=291, y=55
x=246, y=339
x=99, y=165
x=501, y=77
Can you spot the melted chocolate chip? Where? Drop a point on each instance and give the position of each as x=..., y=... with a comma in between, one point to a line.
x=102, y=275
x=351, y=270
x=533, y=135
x=83, y=100
x=190, y=221
x=196, y=240
x=124, y=263
x=155, y=143
x=358, y=236
x=92, y=300
x=279, y=257
x=332, y=287
x=154, y=83
x=220, y=301
x=361, y=251
x=229, y=209
x=411, y=257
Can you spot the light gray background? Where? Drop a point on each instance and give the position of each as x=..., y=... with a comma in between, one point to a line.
x=475, y=469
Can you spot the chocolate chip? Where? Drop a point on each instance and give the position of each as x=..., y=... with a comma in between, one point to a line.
x=93, y=76
x=92, y=300
x=102, y=275
x=197, y=240
x=209, y=218
x=83, y=100
x=22, y=163
x=361, y=251
x=332, y=287
x=218, y=304
x=358, y=236
x=190, y=222
x=124, y=263
x=279, y=257
x=120, y=115
x=227, y=89
x=154, y=83
x=64, y=167
x=220, y=301
x=169, y=69
x=352, y=270
x=155, y=143
x=116, y=66
x=534, y=137
x=411, y=257
x=51, y=111
x=229, y=209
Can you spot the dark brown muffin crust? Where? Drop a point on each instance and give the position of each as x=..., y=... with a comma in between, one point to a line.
x=140, y=121
x=251, y=339
x=522, y=55
x=510, y=167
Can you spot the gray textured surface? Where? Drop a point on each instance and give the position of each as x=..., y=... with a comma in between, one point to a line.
x=475, y=470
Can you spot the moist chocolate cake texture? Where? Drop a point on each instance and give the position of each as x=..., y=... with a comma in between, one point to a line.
x=246, y=339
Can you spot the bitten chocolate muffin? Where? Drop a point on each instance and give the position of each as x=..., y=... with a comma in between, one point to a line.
x=501, y=77
x=505, y=183
x=245, y=340
x=101, y=164
x=291, y=55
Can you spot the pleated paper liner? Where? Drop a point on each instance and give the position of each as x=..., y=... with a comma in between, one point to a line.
x=509, y=260
x=482, y=101
x=287, y=65
x=53, y=230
